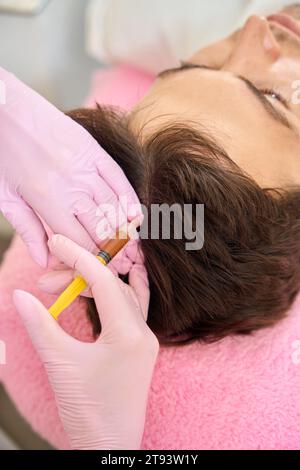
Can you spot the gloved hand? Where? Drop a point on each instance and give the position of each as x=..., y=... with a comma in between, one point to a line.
x=52, y=168
x=56, y=280
x=101, y=388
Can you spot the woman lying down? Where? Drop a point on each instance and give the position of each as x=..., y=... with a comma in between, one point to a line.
x=221, y=130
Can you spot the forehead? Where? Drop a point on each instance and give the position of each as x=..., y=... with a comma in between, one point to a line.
x=179, y=93
x=196, y=97
x=221, y=105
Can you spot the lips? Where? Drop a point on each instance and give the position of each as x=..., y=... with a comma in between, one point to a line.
x=286, y=21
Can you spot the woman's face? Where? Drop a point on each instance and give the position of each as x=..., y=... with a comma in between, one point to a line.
x=243, y=90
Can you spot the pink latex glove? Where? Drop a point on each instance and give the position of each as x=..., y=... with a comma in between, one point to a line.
x=52, y=168
x=101, y=388
x=56, y=280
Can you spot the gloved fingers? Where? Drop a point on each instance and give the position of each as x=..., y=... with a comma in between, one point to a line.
x=108, y=204
x=47, y=336
x=110, y=171
x=130, y=255
x=110, y=300
x=29, y=227
x=103, y=228
x=62, y=221
x=55, y=282
x=138, y=280
x=90, y=217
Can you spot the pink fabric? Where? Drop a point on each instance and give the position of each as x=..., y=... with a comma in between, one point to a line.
x=239, y=393
x=121, y=86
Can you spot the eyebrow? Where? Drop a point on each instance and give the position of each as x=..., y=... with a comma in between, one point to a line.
x=273, y=112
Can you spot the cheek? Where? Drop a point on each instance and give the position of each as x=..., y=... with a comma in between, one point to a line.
x=286, y=68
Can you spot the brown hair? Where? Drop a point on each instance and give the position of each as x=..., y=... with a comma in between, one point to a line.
x=247, y=274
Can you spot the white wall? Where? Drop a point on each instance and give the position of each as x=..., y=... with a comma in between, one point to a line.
x=47, y=51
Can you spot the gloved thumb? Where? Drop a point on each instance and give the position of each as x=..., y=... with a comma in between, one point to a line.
x=45, y=333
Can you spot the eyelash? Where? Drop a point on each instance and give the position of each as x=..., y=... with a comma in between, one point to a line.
x=274, y=94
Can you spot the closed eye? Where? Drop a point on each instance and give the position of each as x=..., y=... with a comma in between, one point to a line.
x=273, y=94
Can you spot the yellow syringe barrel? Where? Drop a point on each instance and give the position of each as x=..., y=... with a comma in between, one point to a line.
x=70, y=294
x=105, y=255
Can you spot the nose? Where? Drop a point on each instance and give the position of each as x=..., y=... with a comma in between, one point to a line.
x=256, y=45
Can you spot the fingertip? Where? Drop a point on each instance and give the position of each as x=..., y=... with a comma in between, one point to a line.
x=23, y=300
x=54, y=240
x=135, y=212
x=18, y=295
x=57, y=242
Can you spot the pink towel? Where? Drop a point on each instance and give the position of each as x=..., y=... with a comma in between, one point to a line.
x=238, y=393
